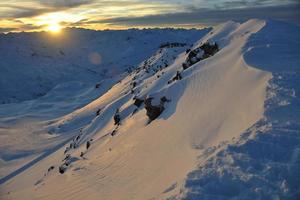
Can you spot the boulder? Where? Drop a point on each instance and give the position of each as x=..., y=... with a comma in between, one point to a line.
x=153, y=111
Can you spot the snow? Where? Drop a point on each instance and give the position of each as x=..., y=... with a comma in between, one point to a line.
x=31, y=64
x=264, y=162
x=229, y=131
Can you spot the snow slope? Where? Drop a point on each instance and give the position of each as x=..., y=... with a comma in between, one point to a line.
x=222, y=135
x=264, y=163
x=31, y=64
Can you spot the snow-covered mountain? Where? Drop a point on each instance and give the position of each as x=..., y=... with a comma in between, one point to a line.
x=31, y=64
x=218, y=120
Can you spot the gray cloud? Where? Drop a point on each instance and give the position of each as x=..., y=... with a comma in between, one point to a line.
x=65, y=3
x=17, y=11
x=47, y=6
x=4, y=30
x=173, y=12
x=21, y=27
x=212, y=16
x=23, y=13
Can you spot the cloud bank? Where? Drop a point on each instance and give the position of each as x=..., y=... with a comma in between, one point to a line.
x=33, y=15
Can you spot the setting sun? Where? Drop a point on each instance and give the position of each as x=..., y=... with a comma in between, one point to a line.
x=54, y=28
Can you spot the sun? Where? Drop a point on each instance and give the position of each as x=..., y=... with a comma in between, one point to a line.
x=54, y=28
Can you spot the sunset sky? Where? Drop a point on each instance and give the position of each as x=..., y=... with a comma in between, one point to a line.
x=36, y=15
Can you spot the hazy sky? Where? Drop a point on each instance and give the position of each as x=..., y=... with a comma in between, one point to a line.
x=32, y=15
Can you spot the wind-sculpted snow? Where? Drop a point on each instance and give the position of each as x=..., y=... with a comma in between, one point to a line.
x=51, y=118
x=226, y=127
x=264, y=163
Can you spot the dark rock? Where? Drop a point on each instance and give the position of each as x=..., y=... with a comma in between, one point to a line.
x=164, y=99
x=185, y=66
x=114, y=132
x=50, y=168
x=98, y=112
x=172, y=45
x=98, y=85
x=193, y=54
x=66, y=150
x=133, y=84
x=78, y=137
x=153, y=111
x=138, y=102
x=208, y=50
x=68, y=156
x=88, y=144
x=117, y=117
x=62, y=169
x=177, y=76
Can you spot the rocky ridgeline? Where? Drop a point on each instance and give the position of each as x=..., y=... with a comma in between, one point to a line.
x=206, y=50
x=160, y=60
x=172, y=45
x=154, y=106
x=147, y=69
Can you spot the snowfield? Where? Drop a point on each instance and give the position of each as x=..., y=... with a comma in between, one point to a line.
x=32, y=64
x=225, y=126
